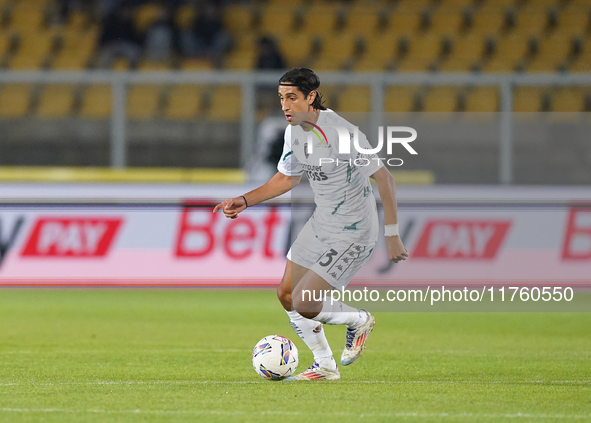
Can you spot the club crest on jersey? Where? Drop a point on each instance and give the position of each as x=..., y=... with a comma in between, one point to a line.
x=306, y=152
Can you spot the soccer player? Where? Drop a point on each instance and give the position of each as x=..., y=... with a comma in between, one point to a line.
x=343, y=230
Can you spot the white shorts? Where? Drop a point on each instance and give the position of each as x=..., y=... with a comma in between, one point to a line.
x=334, y=260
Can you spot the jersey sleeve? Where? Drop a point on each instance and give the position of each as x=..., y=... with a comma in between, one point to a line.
x=371, y=161
x=288, y=163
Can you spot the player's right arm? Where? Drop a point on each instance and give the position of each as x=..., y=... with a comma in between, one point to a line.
x=288, y=176
x=277, y=185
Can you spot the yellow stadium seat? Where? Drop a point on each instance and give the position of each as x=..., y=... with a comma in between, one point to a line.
x=379, y=51
x=34, y=49
x=336, y=48
x=355, y=99
x=499, y=4
x=582, y=64
x=277, y=20
x=143, y=101
x=242, y=57
x=413, y=5
x=455, y=5
x=97, y=102
x=27, y=17
x=466, y=51
x=237, y=19
x=546, y=3
x=225, y=104
x=246, y=43
x=14, y=100
x=488, y=21
x=553, y=52
x=446, y=22
x=240, y=60
x=149, y=65
x=79, y=45
x=570, y=99
x=400, y=99
x=527, y=99
x=184, y=102
x=423, y=52
x=120, y=64
x=56, y=102
x=321, y=18
x=196, y=65
x=441, y=99
x=403, y=23
x=509, y=52
x=69, y=60
x=580, y=7
x=362, y=19
x=573, y=23
x=531, y=20
x=483, y=99
x=296, y=47
x=4, y=43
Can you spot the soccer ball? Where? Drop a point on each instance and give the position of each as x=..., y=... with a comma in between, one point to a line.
x=275, y=357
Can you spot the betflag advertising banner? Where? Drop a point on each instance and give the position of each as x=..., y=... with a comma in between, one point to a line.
x=124, y=237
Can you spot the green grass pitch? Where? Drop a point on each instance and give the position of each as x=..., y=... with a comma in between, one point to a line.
x=91, y=355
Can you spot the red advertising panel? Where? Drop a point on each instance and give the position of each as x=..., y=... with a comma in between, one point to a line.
x=577, y=239
x=71, y=237
x=461, y=239
x=188, y=245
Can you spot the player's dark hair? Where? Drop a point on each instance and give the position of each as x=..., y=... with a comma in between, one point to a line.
x=306, y=81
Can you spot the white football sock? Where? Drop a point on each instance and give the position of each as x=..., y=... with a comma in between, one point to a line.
x=312, y=333
x=339, y=313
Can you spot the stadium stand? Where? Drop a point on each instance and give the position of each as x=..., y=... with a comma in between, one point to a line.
x=97, y=102
x=144, y=101
x=56, y=102
x=15, y=100
x=482, y=99
x=185, y=102
x=360, y=35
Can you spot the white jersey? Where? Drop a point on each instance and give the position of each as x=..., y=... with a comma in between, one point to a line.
x=345, y=204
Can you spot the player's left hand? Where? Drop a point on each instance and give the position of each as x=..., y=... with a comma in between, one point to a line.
x=396, y=250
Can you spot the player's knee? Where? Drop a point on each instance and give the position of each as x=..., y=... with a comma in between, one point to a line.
x=298, y=304
x=305, y=304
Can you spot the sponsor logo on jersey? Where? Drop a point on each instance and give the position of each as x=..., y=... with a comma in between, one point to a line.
x=461, y=239
x=71, y=237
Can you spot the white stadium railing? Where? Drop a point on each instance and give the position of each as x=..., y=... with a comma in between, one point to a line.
x=119, y=82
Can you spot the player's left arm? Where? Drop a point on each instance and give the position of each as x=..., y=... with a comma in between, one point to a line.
x=387, y=189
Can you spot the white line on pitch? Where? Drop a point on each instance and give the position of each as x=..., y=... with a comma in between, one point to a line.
x=146, y=351
x=251, y=382
x=299, y=413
